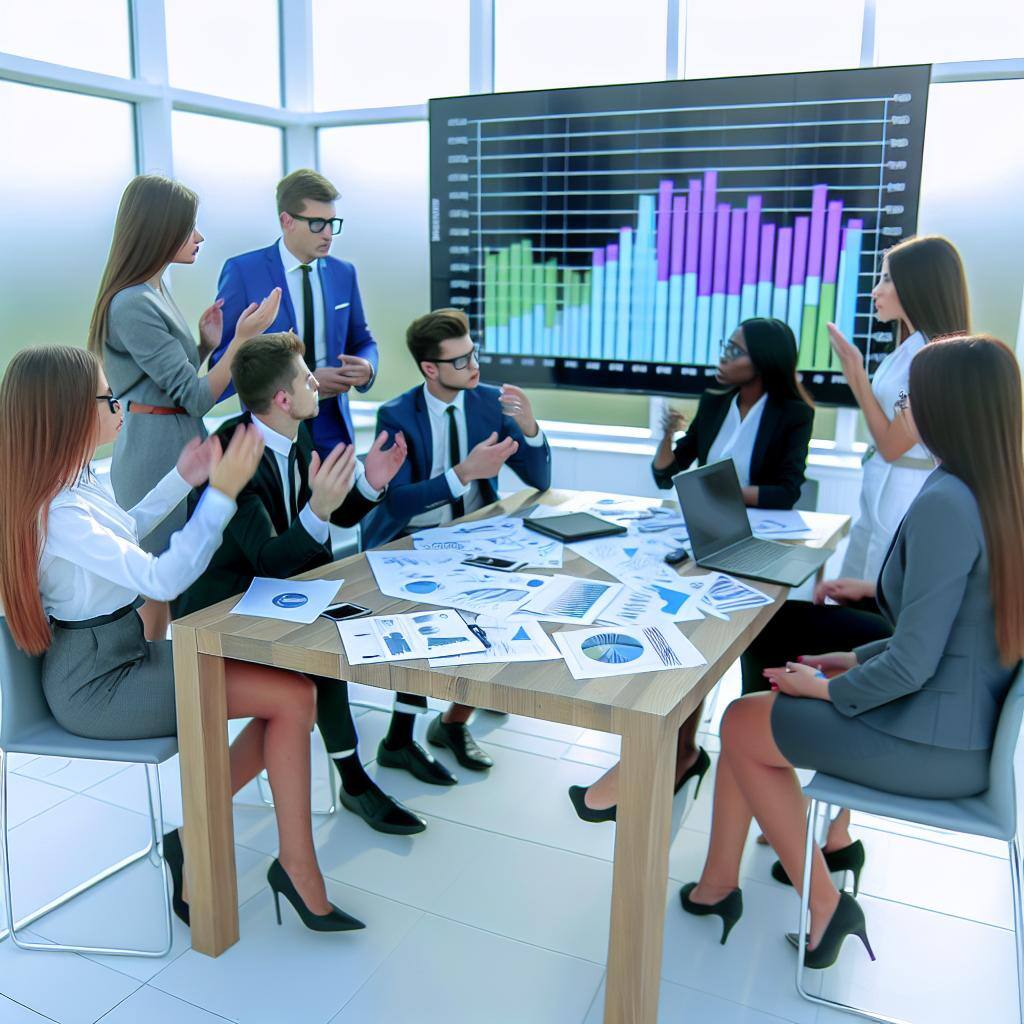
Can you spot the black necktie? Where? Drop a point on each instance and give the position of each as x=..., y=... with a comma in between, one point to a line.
x=458, y=505
x=292, y=503
x=308, y=326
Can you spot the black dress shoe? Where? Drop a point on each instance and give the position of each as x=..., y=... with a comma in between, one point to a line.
x=335, y=920
x=849, y=858
x=382, y=812
x=729, y=909
x=459, y=740
x=175, y=859
x=411, y=757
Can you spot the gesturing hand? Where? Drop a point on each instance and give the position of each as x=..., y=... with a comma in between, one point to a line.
x=239, y=461
x=211, y=327
x=850, y=357
x=486, y=458
x=331, y=381
x=331, y=480
x=257, y=317
x=197, y=459
x=381, y=466
x=355, y=371
x=672, y=421
x=514, y=403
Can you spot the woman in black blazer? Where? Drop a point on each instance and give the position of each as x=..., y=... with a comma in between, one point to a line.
x=761, y=418
x=757, y=371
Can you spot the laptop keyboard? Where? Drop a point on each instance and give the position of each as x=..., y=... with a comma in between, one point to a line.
x=753, y=559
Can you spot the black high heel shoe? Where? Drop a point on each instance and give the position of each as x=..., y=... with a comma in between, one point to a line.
x=729, y=909
x=847, y=920
x=850, y=858
x=175, y=858
x=335, y=920
x=577, y=794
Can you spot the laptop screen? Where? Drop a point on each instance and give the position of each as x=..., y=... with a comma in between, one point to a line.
x=712, y=505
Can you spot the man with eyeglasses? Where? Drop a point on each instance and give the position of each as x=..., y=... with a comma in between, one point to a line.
x=320, y=300
x=459, y=433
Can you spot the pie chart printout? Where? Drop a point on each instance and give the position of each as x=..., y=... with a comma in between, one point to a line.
x=612, y=648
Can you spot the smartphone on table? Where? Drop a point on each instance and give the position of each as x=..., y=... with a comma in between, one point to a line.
x=497, y=564
x=344, y=610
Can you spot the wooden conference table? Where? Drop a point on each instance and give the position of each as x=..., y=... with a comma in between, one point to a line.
x=646, y=710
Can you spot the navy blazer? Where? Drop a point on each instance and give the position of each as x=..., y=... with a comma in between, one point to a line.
x=778, y=460
x=413, y=491
x=253, y=275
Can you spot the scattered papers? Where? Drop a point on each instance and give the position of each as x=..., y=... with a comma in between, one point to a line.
x=498, y=537
x=290, y=600
x=571, y=599
x=522, y=641
x=616, y=651
x=652, y=605
x=402, y=637
x=439, y=577
x=724, y=593
x=776, y=523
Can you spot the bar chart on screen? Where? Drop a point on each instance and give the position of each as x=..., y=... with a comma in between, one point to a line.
x=615, y=236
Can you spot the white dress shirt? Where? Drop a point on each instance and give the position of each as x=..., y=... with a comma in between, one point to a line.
x=441, y=463
x=281, y=446
x=293, y=276
x=91, y=563
x=736, y=437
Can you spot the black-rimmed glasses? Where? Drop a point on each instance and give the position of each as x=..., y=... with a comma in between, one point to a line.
x=461, y=362
x=317, y=224
x=112, y=403
x=730, y=350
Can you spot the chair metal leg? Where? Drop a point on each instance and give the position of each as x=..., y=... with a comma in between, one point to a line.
x=802, y=924
x=1016, y=881
x=155, y=842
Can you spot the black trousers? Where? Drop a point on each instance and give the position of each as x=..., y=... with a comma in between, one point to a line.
x=333, y=715
x=800, y=627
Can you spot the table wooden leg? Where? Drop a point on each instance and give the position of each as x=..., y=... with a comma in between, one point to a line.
x=644, y=817
x=206, y=795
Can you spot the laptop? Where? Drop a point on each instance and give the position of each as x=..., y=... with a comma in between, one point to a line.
x=720, y=535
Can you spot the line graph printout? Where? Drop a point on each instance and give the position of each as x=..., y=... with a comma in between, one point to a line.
x=613, y=236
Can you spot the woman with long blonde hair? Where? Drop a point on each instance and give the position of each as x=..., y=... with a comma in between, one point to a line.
x=149, y=353
x=72, y=570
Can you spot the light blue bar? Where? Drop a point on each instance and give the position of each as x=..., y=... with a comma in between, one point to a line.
x=717, y=331
x=732, y=314
x=779, y=300
x=624, y=304
x=585, y=327
x=528, y=318
x=502, y=333
x=538, y=328
x=748, y=301
x=660, y=320
x=795, y=314
x=764, y=298
x=650, y=304
x=593, y=347
x=686, y=350
x=673, y=340
x=846, y=306
x=701, y=330
x=611, y=321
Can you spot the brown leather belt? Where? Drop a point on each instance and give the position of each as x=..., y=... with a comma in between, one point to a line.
x=157, y=410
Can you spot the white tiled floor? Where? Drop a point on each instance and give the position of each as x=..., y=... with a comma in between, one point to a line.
x=497, y=913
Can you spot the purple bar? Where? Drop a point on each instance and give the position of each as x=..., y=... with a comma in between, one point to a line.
x=782, y=257
x=678, y=234
x=735, y=253
x=721, y=247
x=692, y=226
x=767, y=248
x=664, y=227
x=707, y=233
x=599, y=257
x=856, y=223
x=799, y=274
x=817, y=242
x=613, y=251
x=753, y=227
x=835, y=213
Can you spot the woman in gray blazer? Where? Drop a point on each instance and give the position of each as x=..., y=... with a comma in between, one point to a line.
x=916, y=713
x=149, y=354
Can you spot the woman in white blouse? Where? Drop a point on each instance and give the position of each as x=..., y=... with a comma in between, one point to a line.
x=922, y=290
x=60, y=524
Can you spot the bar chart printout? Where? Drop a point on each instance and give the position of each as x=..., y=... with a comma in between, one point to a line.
x=613, y=237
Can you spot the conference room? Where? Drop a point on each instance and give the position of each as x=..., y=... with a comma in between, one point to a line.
x=525, y=483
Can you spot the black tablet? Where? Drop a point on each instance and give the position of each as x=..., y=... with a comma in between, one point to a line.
x=574, y=526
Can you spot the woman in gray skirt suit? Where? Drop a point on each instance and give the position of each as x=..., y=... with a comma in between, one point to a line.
x=149, y=354
x=60, y=523
x=916, y=713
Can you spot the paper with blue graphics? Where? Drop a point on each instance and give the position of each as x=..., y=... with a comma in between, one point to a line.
x=625, y=650
x=498, y=537
x=516, y=641
x=290, y=600
x=404, y=637
x=439, y=577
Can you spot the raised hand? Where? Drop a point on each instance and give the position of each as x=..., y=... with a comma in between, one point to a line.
x=331, y=381
x=486, y=458
x=257, y=317
x=672, y=421
x=211, y=327
x=850, y=357
x=197, y=460
x=330, y=480
x=514, y=403
x=381, y=466
x=239, y=461
x=355, y=371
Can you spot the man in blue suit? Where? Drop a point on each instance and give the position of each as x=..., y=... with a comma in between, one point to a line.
x=319, y=300
x=459, y=434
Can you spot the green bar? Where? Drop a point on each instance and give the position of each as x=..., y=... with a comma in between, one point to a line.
x=490, y=294
x=550, y=292
x=527, y=262
x=515, y=296
x=585, y=289
x=502, y=289
x=571, y=282
x=807, y=327
x=826, y=311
